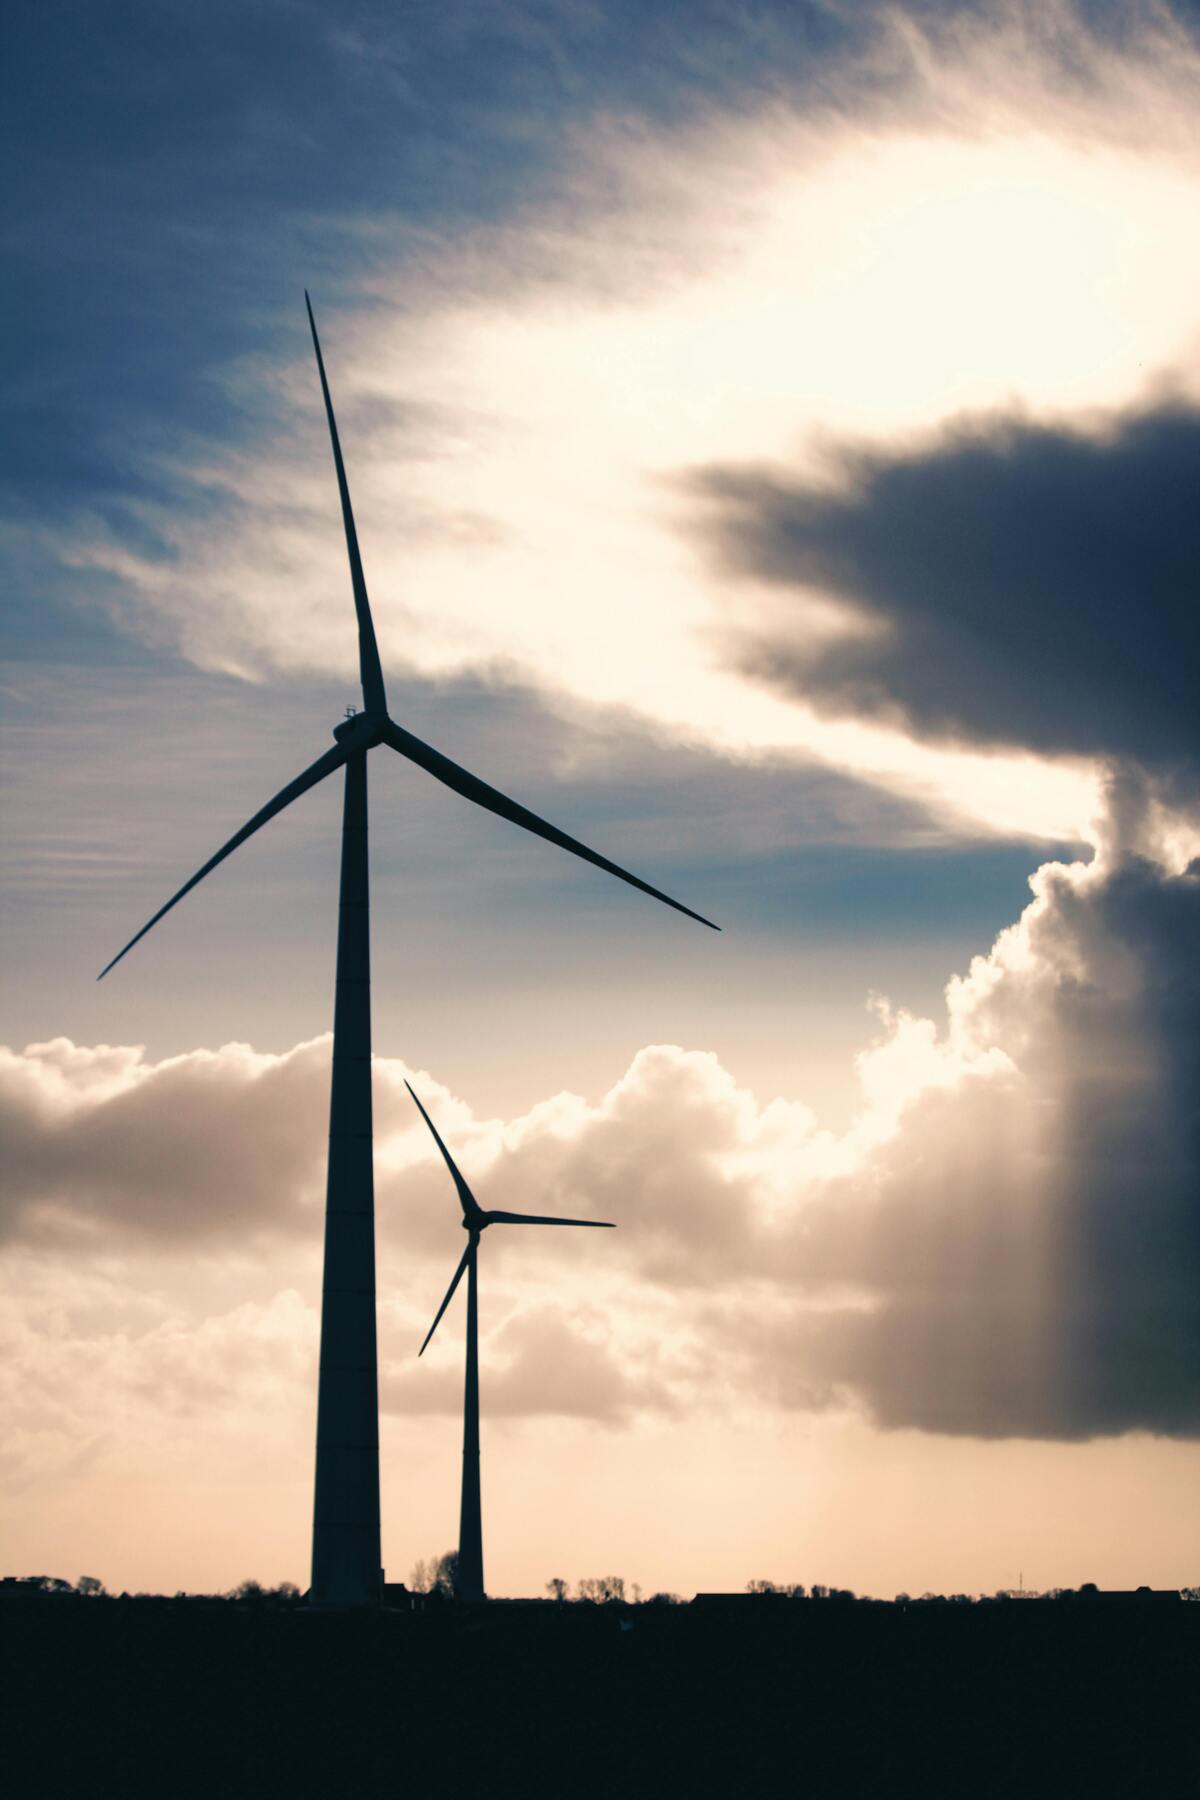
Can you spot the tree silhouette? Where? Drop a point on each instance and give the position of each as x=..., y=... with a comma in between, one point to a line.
x=601, y=1589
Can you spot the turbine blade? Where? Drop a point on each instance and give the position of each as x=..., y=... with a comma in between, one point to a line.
x=370, y=672
x=507, y=1218
x=458, y=1275
x=324, y=765
x=470, y=1206
x=471, y=788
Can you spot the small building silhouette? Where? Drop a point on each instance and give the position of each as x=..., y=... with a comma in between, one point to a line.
x=399, y=1597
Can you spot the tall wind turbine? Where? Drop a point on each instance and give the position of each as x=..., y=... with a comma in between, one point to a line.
x=468, y=1579
x=346, y=1557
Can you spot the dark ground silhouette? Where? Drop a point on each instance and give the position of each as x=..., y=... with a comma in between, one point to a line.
x=758, y=1696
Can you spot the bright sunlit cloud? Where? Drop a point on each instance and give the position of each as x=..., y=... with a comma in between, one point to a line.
x=518, y=415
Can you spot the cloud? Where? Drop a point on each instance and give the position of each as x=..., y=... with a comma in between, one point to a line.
x=1002, y=1243
x=104, y=1146
x=1027, y=1240
x=520, y=384
x=1007, y=583
x=96, y=1363
x=544, y=1362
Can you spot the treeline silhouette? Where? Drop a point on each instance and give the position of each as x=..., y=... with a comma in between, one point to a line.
x=593, y=1690
x=435, y=1579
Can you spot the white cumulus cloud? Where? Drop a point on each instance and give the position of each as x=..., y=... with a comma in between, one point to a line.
x=1002, y=1242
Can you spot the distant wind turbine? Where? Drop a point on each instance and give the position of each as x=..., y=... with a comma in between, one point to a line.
x=468, y=1579
x=346, y=1558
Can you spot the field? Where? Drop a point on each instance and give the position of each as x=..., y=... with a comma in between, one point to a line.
x=123, y=1696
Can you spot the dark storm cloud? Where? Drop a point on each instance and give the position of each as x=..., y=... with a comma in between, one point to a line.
x=1015, y=584
x=1129, y=1263
x=1033, y=1244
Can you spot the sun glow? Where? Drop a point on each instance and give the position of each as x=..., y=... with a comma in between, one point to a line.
x=519, y=449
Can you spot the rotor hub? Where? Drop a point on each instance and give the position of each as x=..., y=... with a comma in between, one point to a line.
x=363, y=728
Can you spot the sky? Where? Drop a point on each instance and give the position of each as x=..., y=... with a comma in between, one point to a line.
x=773, y=431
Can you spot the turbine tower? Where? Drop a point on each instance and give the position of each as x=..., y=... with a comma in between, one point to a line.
x=468, y=1579
x=346, y=1555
